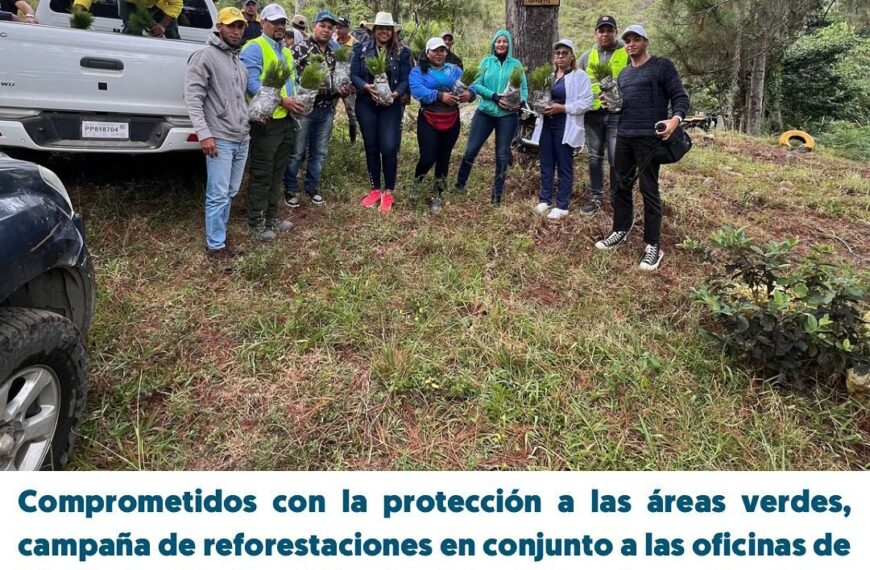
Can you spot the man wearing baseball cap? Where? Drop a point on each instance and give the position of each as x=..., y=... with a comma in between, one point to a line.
x=253, y=28
x=214, y=91
x=344, y=38
x=272, y=142
x=607, y=53
x=652, y=94
x=316, y=130
x=447, y=38
x=300, y=23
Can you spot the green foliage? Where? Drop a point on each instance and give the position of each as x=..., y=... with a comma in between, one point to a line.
x=378, y=64
x=312, y=76
x=140, y=20
x=540, y=78
x=342, y=54
x=601, y=71
x=80, y=19
x=848, y=140
x=791, y=322
x=469, y=73
x=516, y=79
x=276, y=75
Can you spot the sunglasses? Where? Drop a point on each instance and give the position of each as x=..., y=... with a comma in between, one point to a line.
x=281, y=22
x=562, y=53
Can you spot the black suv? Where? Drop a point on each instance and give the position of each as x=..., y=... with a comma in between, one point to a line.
x=46, y=303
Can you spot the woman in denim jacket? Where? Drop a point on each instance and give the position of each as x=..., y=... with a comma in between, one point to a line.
x=380, y=122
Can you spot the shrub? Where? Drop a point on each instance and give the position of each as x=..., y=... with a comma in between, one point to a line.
x=791, y=322
x=848, y=140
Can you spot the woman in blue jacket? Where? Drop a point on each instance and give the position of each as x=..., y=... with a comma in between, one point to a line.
x=380, y=122
x=493, y=114
x=432, y=83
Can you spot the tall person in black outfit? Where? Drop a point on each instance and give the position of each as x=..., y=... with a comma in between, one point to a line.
x=652, y=93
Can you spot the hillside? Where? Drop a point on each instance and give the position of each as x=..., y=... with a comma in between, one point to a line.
x=478, y=339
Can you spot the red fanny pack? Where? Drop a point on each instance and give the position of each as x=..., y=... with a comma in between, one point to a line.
x=441, y=121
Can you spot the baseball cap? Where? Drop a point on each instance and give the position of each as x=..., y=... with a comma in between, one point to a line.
x=273, y=12
x=246, y=2
x=635, y=29
x=342, y=21
x=567, y=43
x=323, y=15
x=299, y=21
x=606, y=21
x=229, y=15
x=443, y=34
x=435, y=43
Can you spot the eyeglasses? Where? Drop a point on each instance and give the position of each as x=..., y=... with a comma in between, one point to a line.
x=281, y=22
x=562, y=53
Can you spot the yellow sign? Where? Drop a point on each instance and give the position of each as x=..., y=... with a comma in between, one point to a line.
x=541, y=2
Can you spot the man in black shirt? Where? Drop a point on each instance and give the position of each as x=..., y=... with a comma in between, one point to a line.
x=253, y=29
x=652, y=93
x=447, y=38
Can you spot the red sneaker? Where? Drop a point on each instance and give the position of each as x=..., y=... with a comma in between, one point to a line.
x=371, y=199
x=386, y=201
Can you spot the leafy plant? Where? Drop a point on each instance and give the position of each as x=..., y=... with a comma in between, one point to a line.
x=469, y=74
x=541, y=78
x=848, y=140
x=516, y=79
x=317, y=59
x=80, y=18
x=342, y=54
x=377, y=65
x=312, y=77
x=140, y=20
x=276, y=75
x=601, y=71
x=792, y=322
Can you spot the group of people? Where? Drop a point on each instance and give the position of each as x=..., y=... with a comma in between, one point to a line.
x=223, y=76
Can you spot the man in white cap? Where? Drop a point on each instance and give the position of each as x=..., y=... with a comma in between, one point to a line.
x=650, y=86
x=271, y=143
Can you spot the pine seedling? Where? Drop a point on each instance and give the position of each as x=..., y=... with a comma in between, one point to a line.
x=469, y=74
x=80, y=18
x=377, y=65
x=541, y=78
x=312, y=77
x=601, y=71
x=140, y=20
x=276, y=75
x=317, y=59
x=342, y=54
x=516, y=80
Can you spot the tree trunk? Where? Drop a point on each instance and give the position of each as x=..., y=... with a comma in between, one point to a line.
x=534, y=30
x=755, y=110
x=736, y=69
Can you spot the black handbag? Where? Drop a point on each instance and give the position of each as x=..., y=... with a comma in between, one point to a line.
x=673, y=149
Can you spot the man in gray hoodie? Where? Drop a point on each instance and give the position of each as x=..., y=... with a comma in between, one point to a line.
x=214, y=90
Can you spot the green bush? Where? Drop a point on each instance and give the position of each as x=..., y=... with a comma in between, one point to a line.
x=848, y=140
x=791, y=322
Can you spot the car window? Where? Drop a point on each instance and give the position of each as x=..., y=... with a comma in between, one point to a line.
x=194, y=15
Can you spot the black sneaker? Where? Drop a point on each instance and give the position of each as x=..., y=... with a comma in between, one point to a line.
x=652, y=258
x=437, y=204
x=495, y=199
x=316, y=199
x=592, y=207
x=291, y=200
x=613, y=240
x=459, y=189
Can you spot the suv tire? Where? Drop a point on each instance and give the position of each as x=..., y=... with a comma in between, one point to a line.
x=41, y=355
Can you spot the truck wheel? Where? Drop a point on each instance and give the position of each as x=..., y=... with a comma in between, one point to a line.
x=43, y=386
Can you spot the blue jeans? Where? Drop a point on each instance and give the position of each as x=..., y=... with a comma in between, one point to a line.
x=482, y=126
x=600, y=135
x=555, y=155
x=313, y=136
x=224, y=176
x=381, y=129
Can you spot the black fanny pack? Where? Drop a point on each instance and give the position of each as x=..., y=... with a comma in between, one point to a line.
x=673, y=149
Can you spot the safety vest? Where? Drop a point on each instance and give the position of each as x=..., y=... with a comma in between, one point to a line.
x=618, y=61
x=271, y=58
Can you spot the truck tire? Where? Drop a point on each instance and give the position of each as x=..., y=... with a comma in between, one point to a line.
x=43, y=365
x=807, y=142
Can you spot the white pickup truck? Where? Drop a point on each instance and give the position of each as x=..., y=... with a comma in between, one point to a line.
x=68, y=90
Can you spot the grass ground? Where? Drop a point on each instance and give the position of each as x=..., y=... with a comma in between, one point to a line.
x=478, y=339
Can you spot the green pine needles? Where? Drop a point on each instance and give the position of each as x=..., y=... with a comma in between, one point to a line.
x=141, y=20
x=541, y=78
x=276, y=75
x=469, y=74
x=80, y=18
x=601, y=71
x=312, y=76
x=377, y=65
x=516, y=80
x=342, y=54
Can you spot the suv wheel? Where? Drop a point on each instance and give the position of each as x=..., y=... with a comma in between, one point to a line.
x=43, y=384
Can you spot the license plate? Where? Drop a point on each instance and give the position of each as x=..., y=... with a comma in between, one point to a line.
x=105, y=130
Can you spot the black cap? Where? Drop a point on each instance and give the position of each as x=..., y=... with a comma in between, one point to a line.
x=606, y=21
x=342, y=21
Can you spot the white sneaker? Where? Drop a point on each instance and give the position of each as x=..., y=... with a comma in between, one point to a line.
x=557, y=214
x=542, y=208
x=652, y=258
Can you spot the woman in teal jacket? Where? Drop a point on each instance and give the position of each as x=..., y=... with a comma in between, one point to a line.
x=493, y=114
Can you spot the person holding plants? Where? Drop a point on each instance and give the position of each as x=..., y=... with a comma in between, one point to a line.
x=438, y=86
x=379, y=71
x=560, y=126
x=501, y=87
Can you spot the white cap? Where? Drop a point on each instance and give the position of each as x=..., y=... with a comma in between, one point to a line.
x=435, y=43
x=273, y=12
x=566, y=42
x=635, y=29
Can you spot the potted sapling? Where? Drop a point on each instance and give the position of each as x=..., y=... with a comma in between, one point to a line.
x=511, y=93
x=603, y=75
x=541, y=81
x=377, y=66
x=310, y=82
x=341, y=75
x=469, y=74
x=263, y=104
